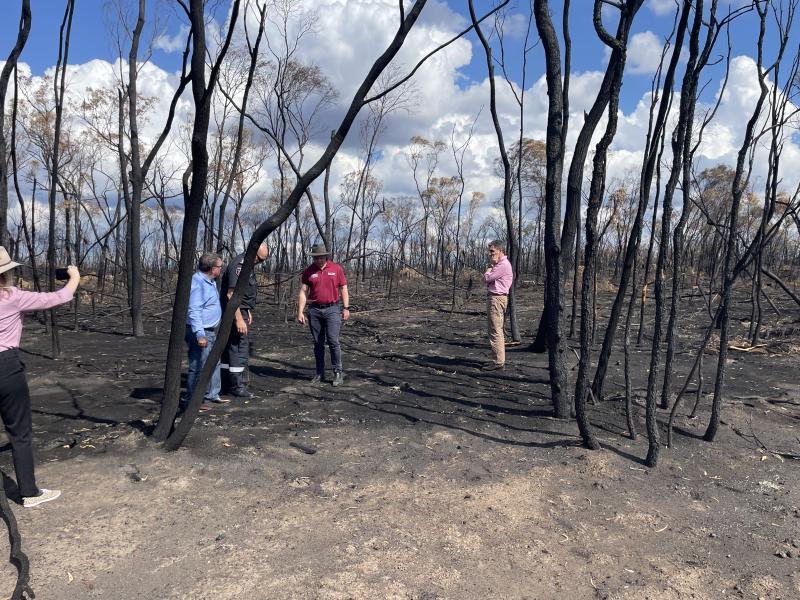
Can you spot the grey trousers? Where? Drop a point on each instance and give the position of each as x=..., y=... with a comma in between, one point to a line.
x=326, y=323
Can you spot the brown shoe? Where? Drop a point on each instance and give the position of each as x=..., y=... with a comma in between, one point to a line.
x=493, y=367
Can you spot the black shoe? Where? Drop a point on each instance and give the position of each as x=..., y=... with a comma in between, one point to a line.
x=493, y=367
x=316, y=379
x=238, y=387
x=338, y=379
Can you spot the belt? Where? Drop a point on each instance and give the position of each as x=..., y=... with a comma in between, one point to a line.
x=204, y=328
x=323, y=304
x=491, y=294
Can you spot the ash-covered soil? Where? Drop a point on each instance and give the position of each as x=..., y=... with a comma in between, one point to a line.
x=429, y=479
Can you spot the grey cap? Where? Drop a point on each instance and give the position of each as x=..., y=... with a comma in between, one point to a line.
x=319, y=250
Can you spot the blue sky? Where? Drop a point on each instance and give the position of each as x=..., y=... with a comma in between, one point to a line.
x=93, y=37
x=451, y=87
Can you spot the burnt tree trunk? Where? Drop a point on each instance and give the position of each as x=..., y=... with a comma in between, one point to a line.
x=239, y=131
x=513, y=243
x=697, y=61
x=678, y=143
x=570, y=237
x=202, y=94
x=59, y=85
x=738, y=188
x=133, y=186
x=17, y=555
x=9, y=66
x=554, y=293
x=632, y=247
x=597, y=190
x=30, y=233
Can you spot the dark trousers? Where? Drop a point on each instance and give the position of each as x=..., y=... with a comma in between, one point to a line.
x=15, y=410
x=325, y=325
x=237, y=350
x=236, y=356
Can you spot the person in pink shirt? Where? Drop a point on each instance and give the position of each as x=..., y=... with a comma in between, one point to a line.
x=498, y=277
x=15, y=400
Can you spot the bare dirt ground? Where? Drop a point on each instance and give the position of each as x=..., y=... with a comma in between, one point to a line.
x=430, y=479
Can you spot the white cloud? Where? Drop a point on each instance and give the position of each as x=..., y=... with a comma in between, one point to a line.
x=174, y=43
x=644, y=53
x=516, y=26
x=23, y=68
x=723, y=136
x=662, y=7
x=348, y=38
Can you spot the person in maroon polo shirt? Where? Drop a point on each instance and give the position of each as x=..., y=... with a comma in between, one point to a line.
x=321, y=285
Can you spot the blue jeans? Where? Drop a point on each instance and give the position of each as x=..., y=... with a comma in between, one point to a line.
x=325, y=324
x=197, y=358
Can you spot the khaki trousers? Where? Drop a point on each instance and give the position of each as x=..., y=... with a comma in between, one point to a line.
x=496, y=310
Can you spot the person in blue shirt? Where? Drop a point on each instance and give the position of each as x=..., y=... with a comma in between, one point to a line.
x=202, y=322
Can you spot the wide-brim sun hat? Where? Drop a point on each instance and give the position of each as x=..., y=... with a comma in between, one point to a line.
x=6, y=264
x=319, y=250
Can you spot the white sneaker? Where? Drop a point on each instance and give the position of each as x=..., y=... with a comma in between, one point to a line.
x=44, y=496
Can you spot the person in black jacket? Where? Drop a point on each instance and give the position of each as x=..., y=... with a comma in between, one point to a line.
x=237, y=350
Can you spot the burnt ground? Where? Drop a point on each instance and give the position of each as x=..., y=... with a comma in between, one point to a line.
x=430, y=479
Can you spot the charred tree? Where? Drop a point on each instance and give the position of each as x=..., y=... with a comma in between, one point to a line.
x=632, y=247
x=202, y=93
x=133, y=185
x=275, y=220
x=778, y=120
x=253, y=52
x=570, y=240
x=59, y=85
x=679, y=142
x=738, y=188
x=515, y=251
x=698, y=59
x=17, y=555
x=29, y=232
x=554, y=291
x=619, y=45
x=9, y=66
x=513, y=240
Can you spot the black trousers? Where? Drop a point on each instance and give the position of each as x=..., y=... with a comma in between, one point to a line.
x=237, y=351
x=15, y=410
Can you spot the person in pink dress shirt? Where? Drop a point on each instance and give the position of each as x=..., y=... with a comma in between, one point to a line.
x=498, y=277
x=15, y=400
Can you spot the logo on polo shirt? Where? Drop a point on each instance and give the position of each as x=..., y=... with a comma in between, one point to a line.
x=332, y=273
